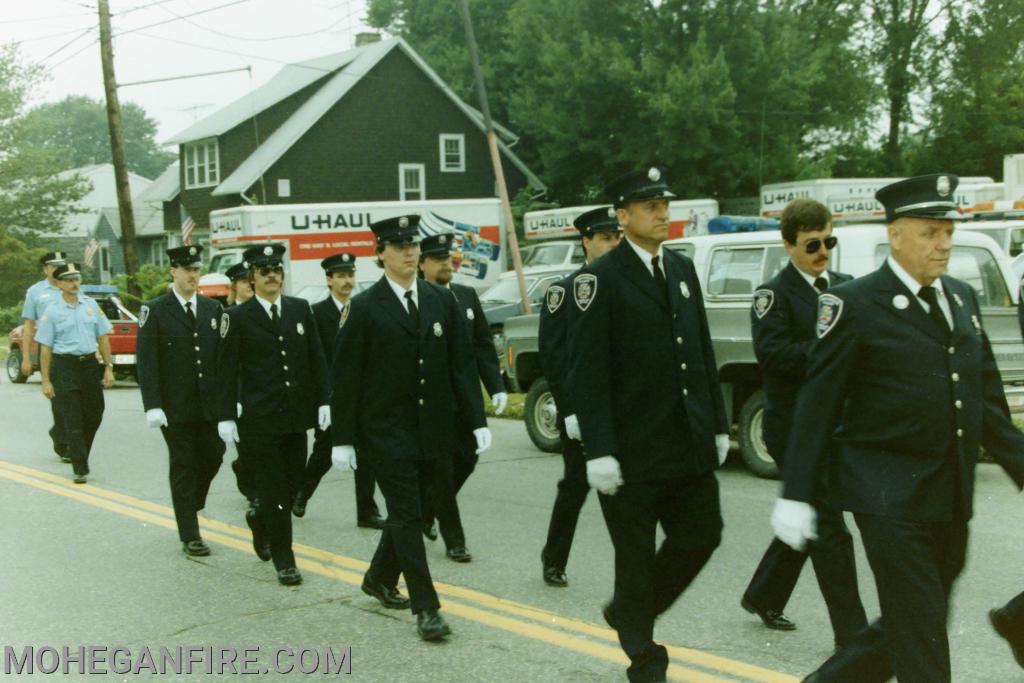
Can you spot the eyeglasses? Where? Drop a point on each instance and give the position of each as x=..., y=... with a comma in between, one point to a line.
x=267, y=270
x=812, y=246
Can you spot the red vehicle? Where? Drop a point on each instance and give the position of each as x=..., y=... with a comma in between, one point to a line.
x=122, y=338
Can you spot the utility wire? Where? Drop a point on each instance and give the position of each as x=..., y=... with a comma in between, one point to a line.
x=178, y=18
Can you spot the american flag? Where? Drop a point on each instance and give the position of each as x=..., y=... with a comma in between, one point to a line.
x=187, y=226
x=90, y=251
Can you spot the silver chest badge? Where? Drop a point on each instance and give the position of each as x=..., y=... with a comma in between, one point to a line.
x=299, y=328
x=437, y=330
x=213, y=323
x=900, y=302
x=470, y=314
x=684, y=289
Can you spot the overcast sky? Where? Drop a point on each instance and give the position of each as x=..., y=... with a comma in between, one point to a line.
x=221, y=34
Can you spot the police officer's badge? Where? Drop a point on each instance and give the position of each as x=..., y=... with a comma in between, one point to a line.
x=344, y=315
x=584, y=289
x=268, y=251
x=942, y=185
x=192, y=251
x=225, y=322
x=684, y=289
x=470, y=315
x=299, y=328
x=901, y=302
x=403, y=222
x=830, y=307
x=437, y=330
x=958, y=300
x=763, y=300
x=654, y=174
x=554, y=298
x=213, y=323
x=143, y=315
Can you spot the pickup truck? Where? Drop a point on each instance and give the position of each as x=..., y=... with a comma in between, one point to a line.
x=122, y=339
x=730, y=268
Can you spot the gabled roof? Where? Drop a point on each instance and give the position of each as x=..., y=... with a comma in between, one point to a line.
x=104, y=187
x=165, y=188
x=149, y=220
x=349, y=66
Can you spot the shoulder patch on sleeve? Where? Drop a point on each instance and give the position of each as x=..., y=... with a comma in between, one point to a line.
x=143, y=315
x=225, y=323
x=830, y=307
x=763, y=300
x=554, y=297
x=584, y=290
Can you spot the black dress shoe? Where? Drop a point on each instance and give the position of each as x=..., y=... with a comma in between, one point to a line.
x=1005, y=629
x=774, y=620
x=554, y=576
x=431, y=626
x=299, y=506
x=374, y=521
x=388, y=597
x=259, y=542
x=195, y=548
x=80, y=479
x=458, y=554
x=65, y=458
x=289, y=577
x=430, y=531
x=608, y=613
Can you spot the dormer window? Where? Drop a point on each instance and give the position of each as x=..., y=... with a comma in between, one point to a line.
x=202, y=165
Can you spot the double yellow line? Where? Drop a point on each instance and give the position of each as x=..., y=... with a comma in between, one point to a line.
x=530, y=622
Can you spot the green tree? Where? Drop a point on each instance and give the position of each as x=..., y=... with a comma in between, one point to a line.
x=32, y=196
x=19, y=262
x=76, y=128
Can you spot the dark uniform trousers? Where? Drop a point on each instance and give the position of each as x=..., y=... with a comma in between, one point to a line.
x=196, y=452
x=78, y=404
x=782, y=322
x=277, y=462
x=572, y=494
x=320, y=464
x=440, y=482
x=245, y=478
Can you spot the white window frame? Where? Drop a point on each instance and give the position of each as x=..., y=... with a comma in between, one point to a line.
x=403, y=191
x=158, y=251
x=460, y=138
x=202, y=163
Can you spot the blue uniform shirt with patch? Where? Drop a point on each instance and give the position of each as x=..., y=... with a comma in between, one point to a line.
x=73, y=329
x=38, y=297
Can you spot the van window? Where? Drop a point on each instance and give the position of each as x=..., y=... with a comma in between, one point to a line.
x=547, y=255
x=974, y=265
x=577, y=254
x=735, y=272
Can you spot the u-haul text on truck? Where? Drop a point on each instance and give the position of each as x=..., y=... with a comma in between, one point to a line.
x=687, y=217
x=853, y=199
x=312, y=232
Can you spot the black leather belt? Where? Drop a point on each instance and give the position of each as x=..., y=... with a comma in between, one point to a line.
x=71, y=356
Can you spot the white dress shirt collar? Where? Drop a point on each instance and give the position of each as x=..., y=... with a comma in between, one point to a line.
x=811, y=278
x=399, y=291
x=337, y=302
x=646, y=257
x=266, y=305
x=194, y=300
x=914, y=286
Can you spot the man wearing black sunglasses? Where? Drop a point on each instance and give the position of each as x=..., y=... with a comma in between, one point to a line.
x=782, y=323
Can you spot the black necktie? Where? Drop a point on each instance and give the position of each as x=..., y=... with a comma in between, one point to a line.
x=414, y=312
x=273, y=314
x=934, y=312
x=190, y=314
x=659, y=278
x=821, y=284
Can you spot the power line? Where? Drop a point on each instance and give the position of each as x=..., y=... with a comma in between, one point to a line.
x=177, y=18
x=67, y=44
x=147, y=5
x=49, y=35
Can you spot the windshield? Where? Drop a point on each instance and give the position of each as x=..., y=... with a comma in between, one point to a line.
x=998, y=234
x=506, y=291
x=547, y=255
x=224, y=260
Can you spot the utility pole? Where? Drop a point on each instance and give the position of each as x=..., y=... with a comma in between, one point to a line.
x=124, y=193
x=492, y=143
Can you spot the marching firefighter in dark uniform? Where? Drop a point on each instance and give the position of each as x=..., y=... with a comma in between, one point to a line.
x=238, y=294
x=449, y=474
x=782, y=324
x=71, y=329
x=600, y=232
x=270, y=359
x=903, y=380
x=340, y=271
x=399, y=380
x=177, y=359
x=644, y=387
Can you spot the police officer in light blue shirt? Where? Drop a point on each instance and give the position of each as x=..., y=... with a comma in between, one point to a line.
x=70, y=331
x=37, y=298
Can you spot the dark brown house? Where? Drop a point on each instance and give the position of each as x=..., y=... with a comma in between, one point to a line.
x=372, y=123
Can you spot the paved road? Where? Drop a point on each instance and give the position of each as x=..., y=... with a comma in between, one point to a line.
x=100, y=565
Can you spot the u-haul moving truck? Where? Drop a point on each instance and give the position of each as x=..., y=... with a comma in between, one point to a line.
x=688, y=217
x=853, y=199
x=311, y=232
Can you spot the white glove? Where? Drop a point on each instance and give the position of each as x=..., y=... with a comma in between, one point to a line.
x=228, y=431
x=323, y=418
x=722, y=444
x=604, y=474
x=483, y=439
x=344, y=457
x=794, y=523
x=499, y=401
x=238, y=409
x=156, y=418
x=572, y=428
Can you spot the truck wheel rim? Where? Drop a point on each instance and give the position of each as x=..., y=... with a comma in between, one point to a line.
x=756, y=438
x=546, y=416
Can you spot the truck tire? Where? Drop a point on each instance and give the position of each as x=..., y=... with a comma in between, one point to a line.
x=14, y=367
x=542, y=418
x=755, y=453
